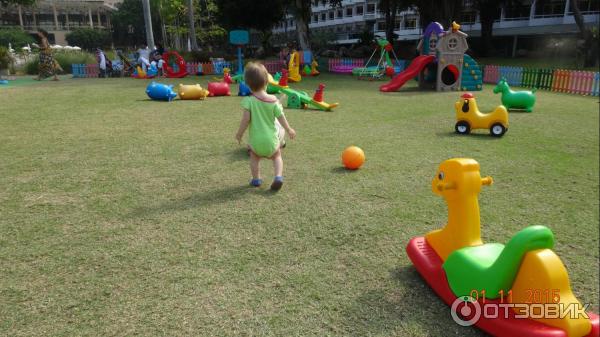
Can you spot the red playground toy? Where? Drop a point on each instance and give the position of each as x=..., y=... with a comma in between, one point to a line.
x=513, y=290
x=169, y=71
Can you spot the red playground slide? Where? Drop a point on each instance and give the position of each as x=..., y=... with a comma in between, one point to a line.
x=412, y=71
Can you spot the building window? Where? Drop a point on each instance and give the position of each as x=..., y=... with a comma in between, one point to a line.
x=410, y=23
x=380, y=26
x=323, y=16
x=370, y=8
x=397, y=25
x=468, y=17
x=316, y=18
x=517, y=11
x=340, y=14
x=349, y=11
x=331, y=15
x=359, y=10
x=550, y=8
x=291, y=23
x=323, y=2
x=316, y=3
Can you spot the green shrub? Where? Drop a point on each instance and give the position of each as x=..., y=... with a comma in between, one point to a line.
x=16, y=37
x=88, y=38
x=5, y=58
x=64, y=58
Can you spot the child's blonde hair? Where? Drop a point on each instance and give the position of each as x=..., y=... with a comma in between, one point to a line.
x=256, y=76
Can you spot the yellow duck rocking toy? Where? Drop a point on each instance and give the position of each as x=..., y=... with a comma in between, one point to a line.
x=524, y=282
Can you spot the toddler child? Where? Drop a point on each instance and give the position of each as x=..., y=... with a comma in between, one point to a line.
x=263, y=115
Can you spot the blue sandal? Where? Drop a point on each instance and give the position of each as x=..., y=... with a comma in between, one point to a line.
x=277, y=183
x=256, y=182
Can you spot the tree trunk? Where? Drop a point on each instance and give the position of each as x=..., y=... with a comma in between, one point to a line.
x=487, y=15
x=390, y=21
x=148, y=24
x=191, y=24
x=587, y=49
x=301, y=23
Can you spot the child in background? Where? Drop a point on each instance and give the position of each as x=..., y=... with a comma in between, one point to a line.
x=263, y=113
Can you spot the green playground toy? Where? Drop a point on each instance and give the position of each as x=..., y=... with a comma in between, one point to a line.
x=493, y=266
x=515, y=100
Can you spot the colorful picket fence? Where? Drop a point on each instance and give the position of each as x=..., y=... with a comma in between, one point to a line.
x=344, y=65
x=558, y=80
x=273, y=66
x=85, y=70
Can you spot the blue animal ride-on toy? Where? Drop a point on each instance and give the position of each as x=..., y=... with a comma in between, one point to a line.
x=244, y=89
x=160, y=92
x=515, y=100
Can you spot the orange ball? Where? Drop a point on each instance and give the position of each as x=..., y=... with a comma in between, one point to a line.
x=353, y=157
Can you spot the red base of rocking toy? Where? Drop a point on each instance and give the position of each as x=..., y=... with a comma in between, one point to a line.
x=429, y=265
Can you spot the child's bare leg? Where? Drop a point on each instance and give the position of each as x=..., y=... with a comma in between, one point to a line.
x=278, y=164
x=255, y=169
x=278, y=168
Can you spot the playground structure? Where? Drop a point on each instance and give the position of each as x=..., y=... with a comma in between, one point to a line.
x=294, y=67
x=384, y=65
x=442, y=61
x=298, y=99
x=239, y=38
x=468, y=117
x=179, y=68
x=468, y=274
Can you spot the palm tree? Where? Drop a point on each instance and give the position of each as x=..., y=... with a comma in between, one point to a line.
x=192, y=24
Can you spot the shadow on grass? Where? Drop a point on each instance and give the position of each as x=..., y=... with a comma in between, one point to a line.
x=409, y=306
x=239, y=154
x=480, y=136
x=342, y=170
x=224, y=195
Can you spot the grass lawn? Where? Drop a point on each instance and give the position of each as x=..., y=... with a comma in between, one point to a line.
x=125, y=216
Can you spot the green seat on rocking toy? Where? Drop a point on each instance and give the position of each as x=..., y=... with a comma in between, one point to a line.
x=493, y=267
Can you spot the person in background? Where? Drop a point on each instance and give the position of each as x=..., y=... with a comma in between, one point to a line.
x=144, y=57
x=101, y=58
x=156, y=57
x=48, y=65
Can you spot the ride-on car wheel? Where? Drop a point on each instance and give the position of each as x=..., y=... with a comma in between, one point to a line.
x=497, y=130
x=462, y=128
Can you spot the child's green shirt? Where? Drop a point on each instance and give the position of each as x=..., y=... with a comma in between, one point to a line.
x=262, y=130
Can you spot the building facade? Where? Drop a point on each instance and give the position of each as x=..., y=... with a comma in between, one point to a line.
x=529, y=18
x=58, y=17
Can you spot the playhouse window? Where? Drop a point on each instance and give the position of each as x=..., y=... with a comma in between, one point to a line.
x=452, y=43
x=432, y=43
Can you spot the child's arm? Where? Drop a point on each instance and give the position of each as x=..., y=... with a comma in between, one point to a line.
x=283, y=121
x=243, y=125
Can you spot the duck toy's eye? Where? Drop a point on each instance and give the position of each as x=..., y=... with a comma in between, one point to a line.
x=441, y=176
